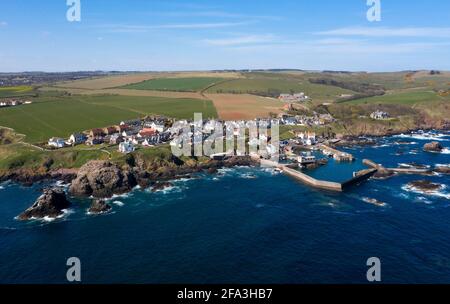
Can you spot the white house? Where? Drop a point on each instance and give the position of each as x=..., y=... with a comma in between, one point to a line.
x=308, y=138
x=379, y=115
x=158, y=127
x=77, y=138
x=126, y=147
x=56, y=142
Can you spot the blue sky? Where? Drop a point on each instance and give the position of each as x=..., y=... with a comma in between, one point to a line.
x=226, y=34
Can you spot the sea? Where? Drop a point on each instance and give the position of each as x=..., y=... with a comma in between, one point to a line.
x=245, y=225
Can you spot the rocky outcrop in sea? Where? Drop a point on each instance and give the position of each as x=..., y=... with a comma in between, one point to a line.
x=50, y=204
x=433, y=147
x=424, y=186
x=99, y=207
x=102, y=179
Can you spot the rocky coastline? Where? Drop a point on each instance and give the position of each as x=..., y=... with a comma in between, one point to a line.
x=101, y=180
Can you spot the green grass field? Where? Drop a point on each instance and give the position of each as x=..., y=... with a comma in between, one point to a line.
x=264, y=85
x=42, y=120
x=193, y=84
x=16, y=91
x=404, y=98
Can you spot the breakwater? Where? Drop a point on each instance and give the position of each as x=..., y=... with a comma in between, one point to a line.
x=321, y=184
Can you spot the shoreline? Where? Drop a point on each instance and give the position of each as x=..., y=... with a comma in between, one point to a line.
x=28, y=177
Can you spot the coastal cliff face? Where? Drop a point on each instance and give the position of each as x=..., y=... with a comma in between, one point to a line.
x=28, y=176
x=102, y=179
x=50, y=204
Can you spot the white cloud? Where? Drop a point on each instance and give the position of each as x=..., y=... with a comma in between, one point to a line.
x=241, y=40
x=3, y=23
x=188, y=26
x=340, y=46
x=432, y=32
x=211, y=13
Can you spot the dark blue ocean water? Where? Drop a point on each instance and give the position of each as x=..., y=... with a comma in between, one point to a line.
x=247, y=225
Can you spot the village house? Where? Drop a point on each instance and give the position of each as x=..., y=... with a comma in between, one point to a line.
x=76, y=139
x=152, y=140
x=96, y=133
x=136, y=140
x=158, y=126
x=308, y=138
x=91, y=141
x=290, y=121
x=132, y=123
x=147, y=132
x=56, y=142
x=130, y=132
x=121, y=128
x=126, y=147
x=115, y=139
x=109, y=130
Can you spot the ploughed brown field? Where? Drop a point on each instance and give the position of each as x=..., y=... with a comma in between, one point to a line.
x=107, y=82
x=244, y=106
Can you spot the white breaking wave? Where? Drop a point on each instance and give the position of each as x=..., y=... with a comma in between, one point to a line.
x=61, y=184
x=424, y=136
x=436, y=193
x=125, y=195
x=248, y=176
x=118, y=203
x=445, y=151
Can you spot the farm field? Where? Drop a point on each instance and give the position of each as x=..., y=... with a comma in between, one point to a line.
x=124, y=92
x=405, y=98
x=134, y=78
x=16, y=91
x=244, y=106
x=266, y=86
x=106, y=82
x=42, y=120
x=193, y=84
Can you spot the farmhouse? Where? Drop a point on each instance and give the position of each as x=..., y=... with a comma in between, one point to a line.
x=379, y=115
x=13, y=102
x=296, y=97
x=56, y=142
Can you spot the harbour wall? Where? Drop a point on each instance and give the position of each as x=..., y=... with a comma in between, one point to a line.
x=320, y=184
